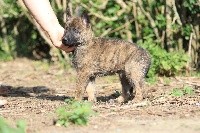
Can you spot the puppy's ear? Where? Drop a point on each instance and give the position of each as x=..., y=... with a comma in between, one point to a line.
x=68, y=14
x=80, y=12
x=85, y=18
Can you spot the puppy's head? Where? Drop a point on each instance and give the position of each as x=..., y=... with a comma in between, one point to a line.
x=77, y=30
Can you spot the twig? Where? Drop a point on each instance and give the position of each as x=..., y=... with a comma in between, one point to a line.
x=64, y=10
x=189, y=52
x=169, y=33
x=121, y=27
x=106, y=32
x=122, y=3
x=176, y=17
x=163, y=38
x=138, y=32
x=153, y=25
x=101, y=16
x=102, y=6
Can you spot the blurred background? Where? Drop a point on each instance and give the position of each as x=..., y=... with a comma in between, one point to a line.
x=168, y=29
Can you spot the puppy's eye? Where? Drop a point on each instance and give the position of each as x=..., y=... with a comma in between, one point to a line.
x=75, y=30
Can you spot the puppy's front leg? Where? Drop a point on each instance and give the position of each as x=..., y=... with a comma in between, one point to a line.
x=91, y=90
x=81, y=85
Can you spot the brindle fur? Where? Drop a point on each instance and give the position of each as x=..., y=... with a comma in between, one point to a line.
x=95, y=56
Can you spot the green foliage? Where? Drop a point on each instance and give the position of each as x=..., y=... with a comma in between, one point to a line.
x=142, y=20
x=4, y=56
x=186, y=31
x=112, y=19
x=74, y=112
x=18, y=36
x=186, y=90
x=163, y=62
x=5, y=128
x=9, y=13
x=176, y=28
x=160, y=21
x=192, y=5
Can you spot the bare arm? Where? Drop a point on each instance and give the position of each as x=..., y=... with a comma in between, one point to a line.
x=45, y=16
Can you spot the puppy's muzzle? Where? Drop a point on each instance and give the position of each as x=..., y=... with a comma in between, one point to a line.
x=71, y=38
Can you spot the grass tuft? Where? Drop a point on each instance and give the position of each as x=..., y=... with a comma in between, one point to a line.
x=74, y=112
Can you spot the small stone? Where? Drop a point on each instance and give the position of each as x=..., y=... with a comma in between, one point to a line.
x=197, y=104
x=3, y=102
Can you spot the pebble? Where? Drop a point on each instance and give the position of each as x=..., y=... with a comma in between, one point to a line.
x=3, y=102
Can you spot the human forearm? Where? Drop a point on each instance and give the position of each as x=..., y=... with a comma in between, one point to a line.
x=42, y=9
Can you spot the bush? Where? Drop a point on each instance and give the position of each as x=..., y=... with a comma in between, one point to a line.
x=163, y=63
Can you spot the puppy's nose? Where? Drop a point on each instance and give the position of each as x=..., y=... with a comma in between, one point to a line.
x=64, y=40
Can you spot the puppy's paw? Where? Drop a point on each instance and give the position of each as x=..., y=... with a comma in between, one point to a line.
x=121, y=99
x=92, y=99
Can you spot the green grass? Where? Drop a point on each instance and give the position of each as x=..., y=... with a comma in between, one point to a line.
x=6, y=128
x=177, y=92
x=74, y=112
x=186, y=90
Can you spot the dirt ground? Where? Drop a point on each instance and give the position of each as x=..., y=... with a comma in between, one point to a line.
x=34, y=90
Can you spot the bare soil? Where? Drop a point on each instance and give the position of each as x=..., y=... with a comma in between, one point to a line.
x=34, y=90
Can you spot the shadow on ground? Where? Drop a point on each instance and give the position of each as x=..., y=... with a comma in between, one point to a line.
x=42, y=92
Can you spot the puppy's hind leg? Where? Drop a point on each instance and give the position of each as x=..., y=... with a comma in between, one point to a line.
x=137, y=80
x=126, y=88
x=135, y=77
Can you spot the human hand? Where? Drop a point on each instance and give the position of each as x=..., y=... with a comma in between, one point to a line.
x=46, y=18
x=56, y=35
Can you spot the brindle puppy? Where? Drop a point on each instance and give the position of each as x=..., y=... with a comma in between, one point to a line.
x=95, y=56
